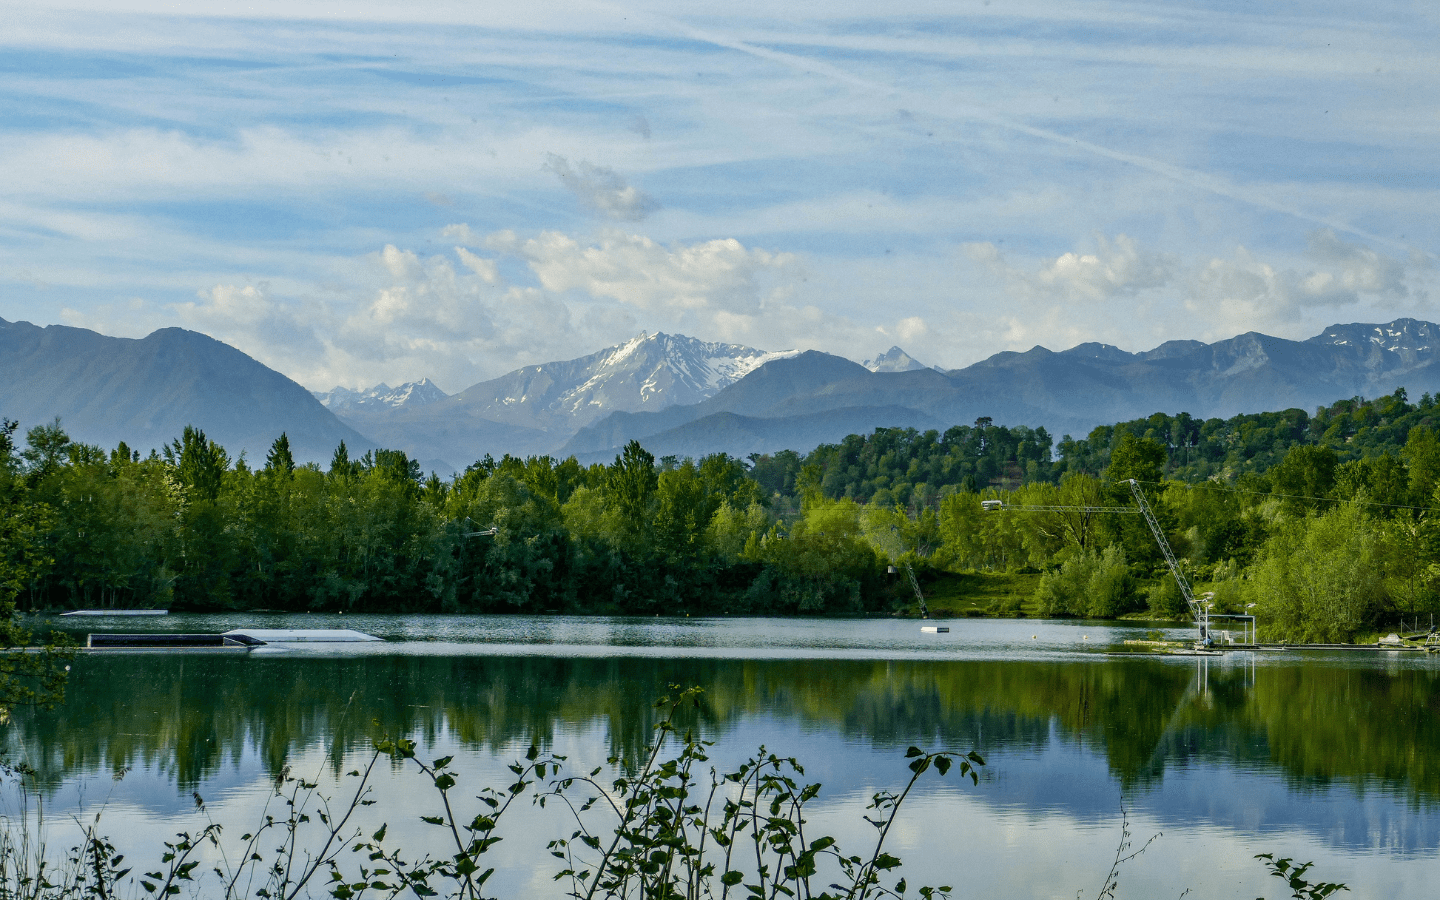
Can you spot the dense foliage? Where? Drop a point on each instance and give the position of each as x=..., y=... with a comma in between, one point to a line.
x=26, y=677
x=190, y=528
x=1323, y=522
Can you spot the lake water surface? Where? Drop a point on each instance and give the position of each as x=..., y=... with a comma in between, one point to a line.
x=1330, y=757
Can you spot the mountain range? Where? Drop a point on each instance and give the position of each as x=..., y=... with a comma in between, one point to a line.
x=1070, y=391
x=144, y=392
x=536, y=409
x=678, y=395
x=381, y=396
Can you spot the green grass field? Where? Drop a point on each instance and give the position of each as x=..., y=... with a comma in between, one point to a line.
x=978, y=593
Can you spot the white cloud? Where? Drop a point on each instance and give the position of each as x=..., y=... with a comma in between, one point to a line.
x=601, y=189
x=706, y=276
x=1351, y=271
x=247, y=316
x=1114, y=269
x=1123, y=293
x=911, y=328
x=458, y=318
x=1243, y=292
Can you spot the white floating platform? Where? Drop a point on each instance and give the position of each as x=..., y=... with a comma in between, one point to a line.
x=934, y=629
x=302, y=635
x=116, y=612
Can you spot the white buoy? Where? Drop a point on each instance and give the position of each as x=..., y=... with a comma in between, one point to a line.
x=934, y=629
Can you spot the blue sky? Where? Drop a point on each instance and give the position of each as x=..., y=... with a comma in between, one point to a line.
x=355, y=192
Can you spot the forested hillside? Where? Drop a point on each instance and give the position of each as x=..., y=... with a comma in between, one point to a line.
x=1325, y=522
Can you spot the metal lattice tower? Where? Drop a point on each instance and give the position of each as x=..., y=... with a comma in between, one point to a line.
x=914, y=583
x=1199, y=609
x=1201, y=619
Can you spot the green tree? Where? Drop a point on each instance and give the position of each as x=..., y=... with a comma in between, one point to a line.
x=279, y=461
x=1319, y=578
x=1089, y=584
x=682, y=512
x=1305, y=476
x=45, y=451
x=340, y=465
x=199, y=463
x=26, y=677
x=630, y=484
x=1142, y=459
x=1422, y=458
x=1406, y=550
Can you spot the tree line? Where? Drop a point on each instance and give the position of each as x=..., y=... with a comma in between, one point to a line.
x=189, y=527
x=1324, y=522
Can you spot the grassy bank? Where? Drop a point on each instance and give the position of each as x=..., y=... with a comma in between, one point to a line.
x=951, y=594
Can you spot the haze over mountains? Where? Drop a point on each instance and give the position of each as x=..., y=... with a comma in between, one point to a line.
x=536, y=409
x=679, y=395
x=381, y=396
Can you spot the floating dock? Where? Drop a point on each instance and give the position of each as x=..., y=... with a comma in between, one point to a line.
x=1172, y=648
x=301, y=635
x=235, y=639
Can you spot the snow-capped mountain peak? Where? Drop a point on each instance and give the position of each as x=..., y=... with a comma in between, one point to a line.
x=647, y=372
x=893, y=360
x=408, y=395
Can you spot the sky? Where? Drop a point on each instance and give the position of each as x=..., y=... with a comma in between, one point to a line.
x=355, y=192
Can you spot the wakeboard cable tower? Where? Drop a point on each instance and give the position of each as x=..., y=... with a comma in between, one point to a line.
x=1198, y=608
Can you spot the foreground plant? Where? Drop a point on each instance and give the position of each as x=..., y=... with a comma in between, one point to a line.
x=678, y=829
x=1294, y=878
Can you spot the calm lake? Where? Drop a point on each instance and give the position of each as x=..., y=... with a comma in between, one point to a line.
x=1326, y=757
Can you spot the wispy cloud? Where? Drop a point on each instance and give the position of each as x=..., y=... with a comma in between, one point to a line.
x=600, y=189
x=1126, y=172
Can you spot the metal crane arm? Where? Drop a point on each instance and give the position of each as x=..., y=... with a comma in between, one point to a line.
x=1202, y=619
x=1089, y=509
x=1166, y=551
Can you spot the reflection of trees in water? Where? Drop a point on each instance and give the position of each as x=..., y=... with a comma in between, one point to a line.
x=188, y=716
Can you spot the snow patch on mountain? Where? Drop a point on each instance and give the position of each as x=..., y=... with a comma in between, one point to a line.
x=409, y=395
x=1399, y=336
x=664, y=369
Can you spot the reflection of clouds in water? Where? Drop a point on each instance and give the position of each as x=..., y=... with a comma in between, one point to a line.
x=1043, y=821
x=1214, y=784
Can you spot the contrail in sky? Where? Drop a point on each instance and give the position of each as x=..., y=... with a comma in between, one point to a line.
x=1203, y=181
